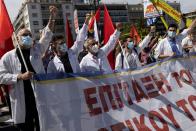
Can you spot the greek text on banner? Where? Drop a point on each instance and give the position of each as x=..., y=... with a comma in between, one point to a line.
x=158, y=97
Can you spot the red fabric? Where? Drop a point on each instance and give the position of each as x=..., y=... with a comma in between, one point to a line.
x=108, y=31
x=97, y=17
x=6, y=30
x=134, y=35
x=69, y=37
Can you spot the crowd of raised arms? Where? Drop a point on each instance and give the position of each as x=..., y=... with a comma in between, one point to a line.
x=51, y=55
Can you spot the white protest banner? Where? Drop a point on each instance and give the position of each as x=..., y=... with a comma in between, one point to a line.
x=149, y=10
x=159, y=97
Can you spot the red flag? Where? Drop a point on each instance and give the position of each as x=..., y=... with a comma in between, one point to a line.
x=134, y=35
x=92, y=21
x=108, y=31
x=6, y=30
x=69, y=38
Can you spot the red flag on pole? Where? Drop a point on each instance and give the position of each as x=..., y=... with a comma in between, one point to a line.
x=6, y=30
x=108, y=31
x=92, y=21
x=69, y=38
x=134, y=35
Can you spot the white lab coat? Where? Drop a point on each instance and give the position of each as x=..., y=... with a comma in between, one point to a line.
x=164, y=47
x=55, y=65
x=10, y=67
x=125, y=62
x=91, y=63
x=188, y=42
x=132, y=58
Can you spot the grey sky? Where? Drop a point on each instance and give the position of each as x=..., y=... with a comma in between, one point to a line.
x=14, y=5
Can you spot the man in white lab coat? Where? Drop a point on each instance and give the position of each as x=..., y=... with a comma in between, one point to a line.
x=14, y=73
x=66, y=60
x=187, y=43
x=171, y=45
x=129, y=58
x=96, y=59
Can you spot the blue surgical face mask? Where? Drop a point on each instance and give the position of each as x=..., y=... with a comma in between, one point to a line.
x=63, y=48
x=171, y=34
x=26, y=41
x=130, y=45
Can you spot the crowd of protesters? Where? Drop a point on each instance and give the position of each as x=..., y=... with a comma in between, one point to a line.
x=51, y=55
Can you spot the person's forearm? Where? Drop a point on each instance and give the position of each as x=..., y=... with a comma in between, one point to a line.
x=188, y=47
x=163, y=56
x=51, y=22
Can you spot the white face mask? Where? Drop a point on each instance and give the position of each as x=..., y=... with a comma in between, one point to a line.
x=171, y=34
x=63, y=48
x=26, y=41
x=130, y=45
x=95, y=48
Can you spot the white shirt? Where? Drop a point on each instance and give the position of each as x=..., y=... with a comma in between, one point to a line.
x=188, y=42
x=55, y=65
x=91, y=63
x=127, y=62
x=164, y=48
x=10, y=67
x=131, y=61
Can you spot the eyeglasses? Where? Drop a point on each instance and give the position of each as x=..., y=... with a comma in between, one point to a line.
x=94, y=43
x=26, y=34
x=172, y=30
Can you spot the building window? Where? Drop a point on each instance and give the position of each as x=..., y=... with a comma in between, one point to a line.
x=34, y=14
x=36, y=31
x=33, y=7
x=67, y=7
x=35, y=22
x=44, y=7
x=68, y=14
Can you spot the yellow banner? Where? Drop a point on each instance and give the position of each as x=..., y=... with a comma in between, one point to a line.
x=170, y=11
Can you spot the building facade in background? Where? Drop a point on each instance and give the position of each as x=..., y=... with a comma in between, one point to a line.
x=191, y=15
x=136, y=13
x=34, y=14
x=117, y=12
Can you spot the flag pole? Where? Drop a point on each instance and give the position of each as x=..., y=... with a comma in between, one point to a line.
x=162, y=19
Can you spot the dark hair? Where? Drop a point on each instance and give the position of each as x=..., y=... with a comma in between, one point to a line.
x=57, y=37
x=146, y=50
x=173, y=25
